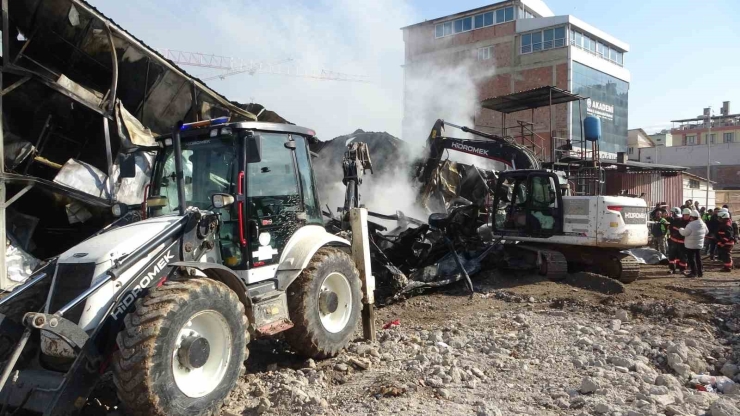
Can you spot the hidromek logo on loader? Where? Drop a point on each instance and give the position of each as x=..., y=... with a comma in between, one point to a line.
x=144, y=282
x=471, y=149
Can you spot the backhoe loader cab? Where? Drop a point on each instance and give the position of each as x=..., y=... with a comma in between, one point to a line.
x=265, y=167
x=233, y=248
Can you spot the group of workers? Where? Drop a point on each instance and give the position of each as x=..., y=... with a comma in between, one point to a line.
x=685, y=233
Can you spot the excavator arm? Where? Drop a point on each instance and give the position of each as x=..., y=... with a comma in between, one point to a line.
x=489, y=146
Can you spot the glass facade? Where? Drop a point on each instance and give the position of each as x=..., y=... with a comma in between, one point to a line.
x=607, y=100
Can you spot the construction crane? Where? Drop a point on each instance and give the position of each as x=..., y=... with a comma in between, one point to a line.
x=234, y=66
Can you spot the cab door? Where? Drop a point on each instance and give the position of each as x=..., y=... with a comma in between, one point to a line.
x=544, y=205
x=528, y=204
x=274, y=202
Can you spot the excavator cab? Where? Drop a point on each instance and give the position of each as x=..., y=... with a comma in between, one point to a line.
x=528, y=203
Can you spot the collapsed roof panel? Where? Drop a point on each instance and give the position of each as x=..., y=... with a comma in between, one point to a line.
x=71, y=38
x=80, y=91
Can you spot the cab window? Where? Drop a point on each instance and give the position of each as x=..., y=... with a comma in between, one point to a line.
x=273, y=199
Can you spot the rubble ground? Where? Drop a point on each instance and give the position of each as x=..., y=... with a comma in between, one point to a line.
x=525, y=346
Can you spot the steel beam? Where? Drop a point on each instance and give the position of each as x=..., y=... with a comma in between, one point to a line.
x=5, y=284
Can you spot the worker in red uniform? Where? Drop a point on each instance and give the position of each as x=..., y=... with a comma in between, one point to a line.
x=725, y=240
x=676, y=248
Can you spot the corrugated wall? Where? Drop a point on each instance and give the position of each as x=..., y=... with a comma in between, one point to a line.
x=657, y=186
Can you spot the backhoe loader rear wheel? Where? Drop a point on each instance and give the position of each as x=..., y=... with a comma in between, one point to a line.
x=325, y=303
x=183, y=349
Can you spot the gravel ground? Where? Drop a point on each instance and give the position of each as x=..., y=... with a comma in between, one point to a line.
x=524, y=346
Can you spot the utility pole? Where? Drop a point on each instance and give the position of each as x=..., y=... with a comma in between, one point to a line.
x=709, y=154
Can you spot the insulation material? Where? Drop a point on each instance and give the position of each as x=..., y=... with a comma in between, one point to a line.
x=16, y=150
x=20, y=265
x=21, y=226
x=77, y=213
x=130, y=130
x=130, y=191
x=94, y=98
x=84, y=177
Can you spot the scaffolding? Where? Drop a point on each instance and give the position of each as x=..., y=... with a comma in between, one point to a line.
x=524, y=131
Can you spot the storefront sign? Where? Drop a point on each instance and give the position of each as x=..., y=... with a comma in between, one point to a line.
x=600, y=110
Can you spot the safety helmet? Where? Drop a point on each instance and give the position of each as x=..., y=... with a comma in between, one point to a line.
x=724, y=215
x=695, y=213
x=686, y=211
x=676, y=210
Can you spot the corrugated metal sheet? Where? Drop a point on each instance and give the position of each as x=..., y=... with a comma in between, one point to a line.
x=657, y=186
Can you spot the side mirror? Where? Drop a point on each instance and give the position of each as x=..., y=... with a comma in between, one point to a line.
x=253, y=144
x=221, y=200
x=290, y=144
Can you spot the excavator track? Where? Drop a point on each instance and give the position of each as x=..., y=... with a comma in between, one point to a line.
x=629, y=269
x=552, y=264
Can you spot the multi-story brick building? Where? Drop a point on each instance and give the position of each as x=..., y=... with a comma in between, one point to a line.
x=517, y=45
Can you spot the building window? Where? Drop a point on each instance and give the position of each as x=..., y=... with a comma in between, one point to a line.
x=478, y=21
x=711, y=138
x=597, y=48
x=469, y=23
x=543, y=40
x=693, y=184
x=728, y=137
x=631, y=150
x=690, y=140
x=484, y=54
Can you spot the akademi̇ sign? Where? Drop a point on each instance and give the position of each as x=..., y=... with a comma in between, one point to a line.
x=600, y=110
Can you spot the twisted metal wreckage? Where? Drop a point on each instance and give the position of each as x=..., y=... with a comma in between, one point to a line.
x=82, y=100
x=452, y=244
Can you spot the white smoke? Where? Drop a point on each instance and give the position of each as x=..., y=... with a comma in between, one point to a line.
x=448, y=92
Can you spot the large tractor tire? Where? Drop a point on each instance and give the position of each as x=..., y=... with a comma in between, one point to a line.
x=32, y=300
x=183, y=349
x=325, y=302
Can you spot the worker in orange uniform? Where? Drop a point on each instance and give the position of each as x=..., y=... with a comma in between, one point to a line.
x=676, y=248
x=725, y=240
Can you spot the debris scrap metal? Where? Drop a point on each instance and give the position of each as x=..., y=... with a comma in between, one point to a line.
x=83, y=102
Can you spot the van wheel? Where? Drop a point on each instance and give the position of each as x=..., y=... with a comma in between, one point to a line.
x=183, y=349
x=324, y=303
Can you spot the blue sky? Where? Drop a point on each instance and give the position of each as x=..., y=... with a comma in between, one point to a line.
x=685, y=54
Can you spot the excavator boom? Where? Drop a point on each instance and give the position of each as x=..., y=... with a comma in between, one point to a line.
x=489, y=146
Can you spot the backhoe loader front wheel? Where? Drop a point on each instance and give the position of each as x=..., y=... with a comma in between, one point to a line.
x=183, y=349
x=325, y=303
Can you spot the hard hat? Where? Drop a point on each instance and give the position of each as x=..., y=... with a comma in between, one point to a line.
x=686, y=211
x=676, y=210
x=724, y=215
x=695, y=213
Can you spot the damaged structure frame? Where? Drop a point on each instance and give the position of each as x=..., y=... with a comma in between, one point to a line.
x=155, y=89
